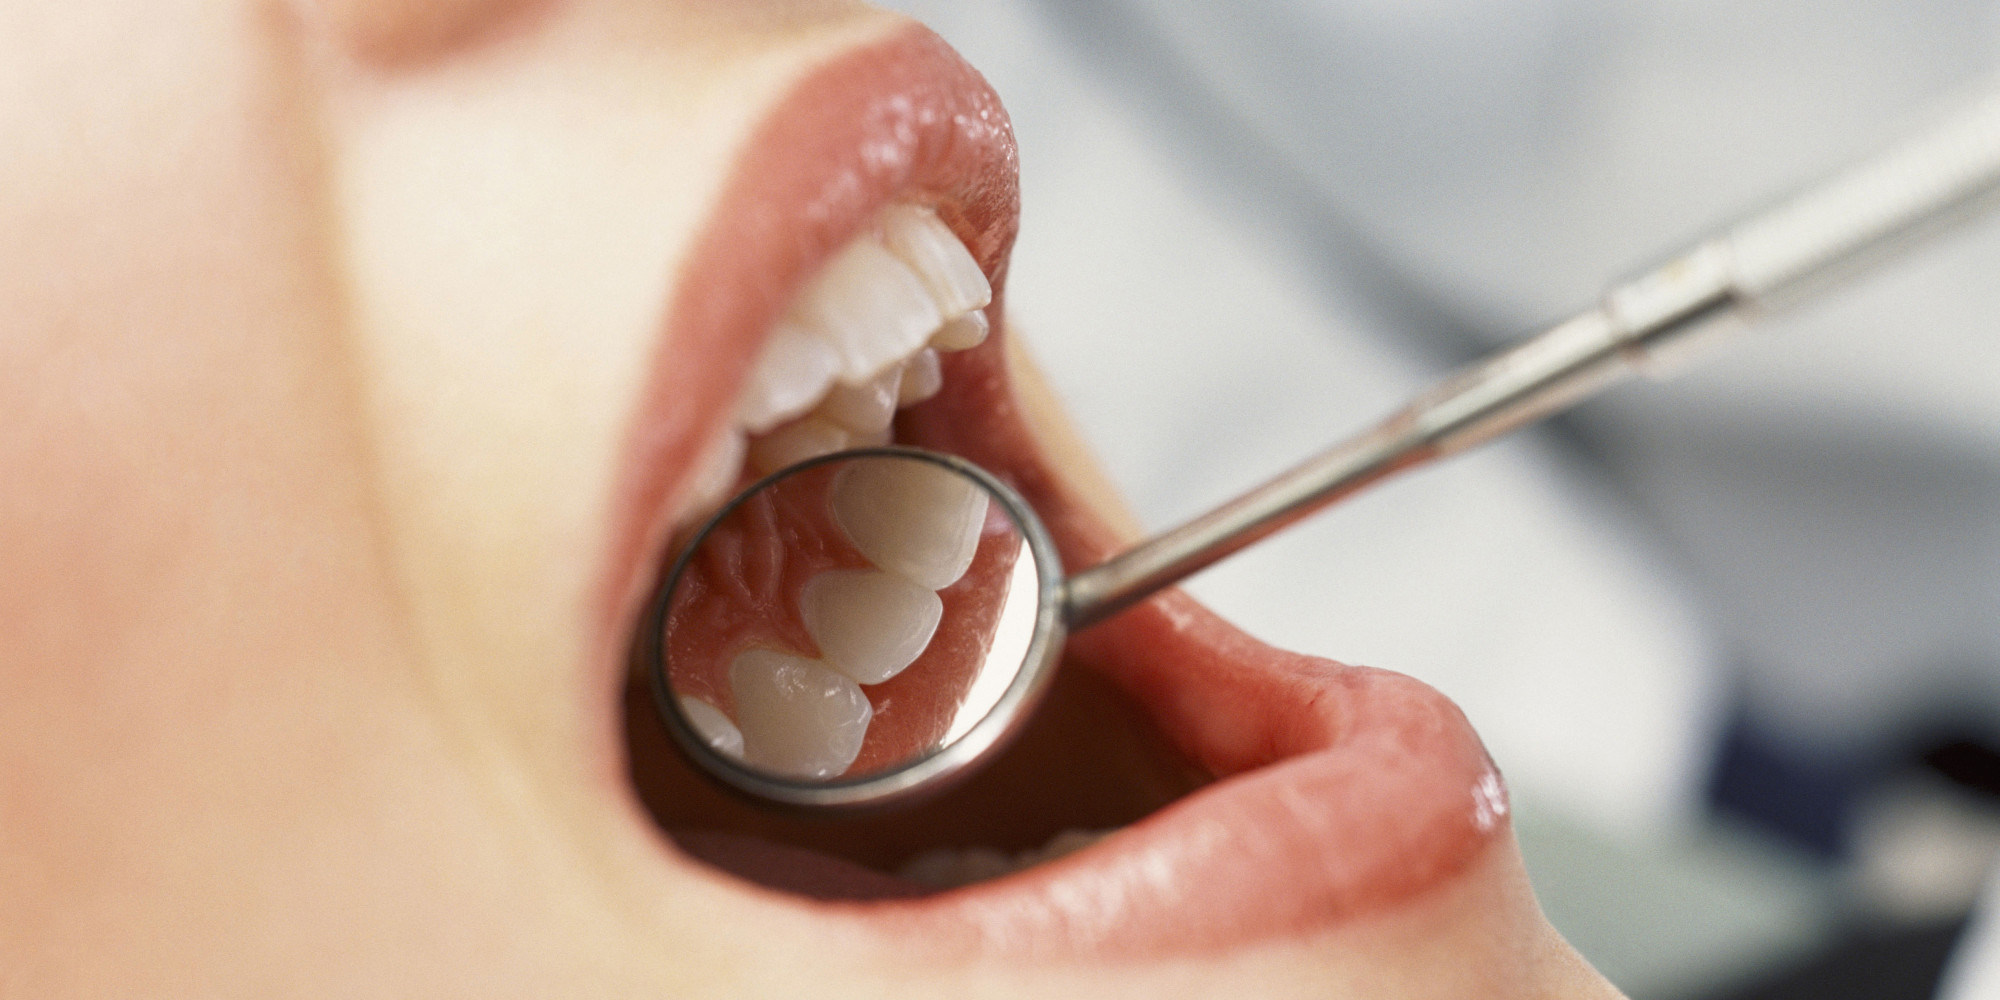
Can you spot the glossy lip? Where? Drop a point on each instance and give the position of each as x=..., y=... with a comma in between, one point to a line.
x=1344, y=790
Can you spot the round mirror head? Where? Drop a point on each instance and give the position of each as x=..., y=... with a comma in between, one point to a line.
x=855, y=629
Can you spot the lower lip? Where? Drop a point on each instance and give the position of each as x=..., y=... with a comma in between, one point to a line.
x=1344, y=790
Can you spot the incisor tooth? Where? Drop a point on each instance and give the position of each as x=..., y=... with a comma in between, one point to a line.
x=910, y=517
x=713, y=727
x=923, y=241
x=922, y=378
x=791, y=372
x=797, y=441
x=960, y=332
x=869, y=625
x=867, y=407
x=870, y=307
x=797, y=717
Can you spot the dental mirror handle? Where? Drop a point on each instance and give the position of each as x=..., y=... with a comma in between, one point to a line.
x=1773, y=258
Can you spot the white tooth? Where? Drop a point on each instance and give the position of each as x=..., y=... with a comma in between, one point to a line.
x=717, y=472
x=798, y=718
x=867, y=407
x=1065, y=843
x=869, y=625
x=870, y=307
x=922, y=240
x=922, y=378
x=872, y=439
x=950, y=868
x=713, y=727
x=910, y=517
x=960, y=332
x=797, y=441
x=791, y=373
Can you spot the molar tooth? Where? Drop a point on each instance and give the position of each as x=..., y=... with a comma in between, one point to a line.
x=713, y=727
x=797, y=441
x=910, y=517
x=923, y=241
x=870, y=307
x=922, y=378
x=797, y=718
x=791, y=372
x=961, y=331
x=867, y=407
x=869, y=625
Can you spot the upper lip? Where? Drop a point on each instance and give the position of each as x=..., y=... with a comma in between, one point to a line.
x=1343, y=789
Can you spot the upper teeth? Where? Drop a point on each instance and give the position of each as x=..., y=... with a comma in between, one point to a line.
x=858, y=342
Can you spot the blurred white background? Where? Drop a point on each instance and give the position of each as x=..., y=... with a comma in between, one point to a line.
x=1701, y=625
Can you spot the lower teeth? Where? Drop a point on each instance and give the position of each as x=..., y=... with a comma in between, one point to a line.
x=951, y=868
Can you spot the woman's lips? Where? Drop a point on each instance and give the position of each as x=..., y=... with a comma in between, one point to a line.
x=1346, y=789
x=905, y=118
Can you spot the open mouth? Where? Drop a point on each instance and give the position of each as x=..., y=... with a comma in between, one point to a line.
x=1183, y=787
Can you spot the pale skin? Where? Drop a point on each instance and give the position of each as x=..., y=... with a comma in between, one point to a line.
x=326, y=327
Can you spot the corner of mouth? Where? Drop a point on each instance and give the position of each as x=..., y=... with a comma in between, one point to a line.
x=1284, y=792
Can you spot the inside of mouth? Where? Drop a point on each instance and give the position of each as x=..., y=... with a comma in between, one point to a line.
x=859, y=346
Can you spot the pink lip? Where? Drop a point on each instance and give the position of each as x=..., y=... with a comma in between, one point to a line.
x=1344, y=790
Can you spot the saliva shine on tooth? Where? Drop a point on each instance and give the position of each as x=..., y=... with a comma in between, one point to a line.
x=798, y=719
x=713, y=727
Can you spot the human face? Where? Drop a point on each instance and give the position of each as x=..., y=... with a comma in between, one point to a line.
x=360, y=359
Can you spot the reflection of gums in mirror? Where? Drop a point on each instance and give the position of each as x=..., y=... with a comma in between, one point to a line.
x=742, y=591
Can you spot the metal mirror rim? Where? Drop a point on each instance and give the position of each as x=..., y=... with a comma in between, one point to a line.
x=925, y=775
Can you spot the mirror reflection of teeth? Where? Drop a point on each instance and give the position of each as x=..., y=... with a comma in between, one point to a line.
x=864, y=331
x=798, y=719
x=868, y=624
x=713, y=727
x=911, y=518
x=919, y=526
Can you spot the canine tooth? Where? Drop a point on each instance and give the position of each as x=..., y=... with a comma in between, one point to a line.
x=717, y=472
x=869, y=625
x=797, y=717
x=791, y=372
x=797, y=441
x=911, y=517
x=923, y=241
x=870, y=307
x=960, y=332
x=922, y=378
x=867, y=407
x=713, y=727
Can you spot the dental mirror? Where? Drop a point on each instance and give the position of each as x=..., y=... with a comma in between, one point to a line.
x=863, y=627
x=856, y=628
